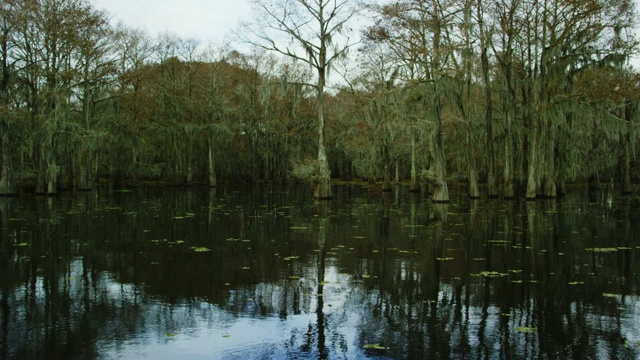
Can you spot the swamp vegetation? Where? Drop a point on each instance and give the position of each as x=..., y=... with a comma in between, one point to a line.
x=530, y=97
x=525, y=96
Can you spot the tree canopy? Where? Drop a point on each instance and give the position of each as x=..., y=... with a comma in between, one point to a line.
x=523, y=95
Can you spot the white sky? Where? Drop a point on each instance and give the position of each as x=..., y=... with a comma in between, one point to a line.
x=207, y=20
x=202, y=19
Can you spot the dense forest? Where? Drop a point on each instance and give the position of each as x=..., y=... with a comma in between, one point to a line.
x=524, y=96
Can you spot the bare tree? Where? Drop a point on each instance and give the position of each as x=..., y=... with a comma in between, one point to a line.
x=313, y=32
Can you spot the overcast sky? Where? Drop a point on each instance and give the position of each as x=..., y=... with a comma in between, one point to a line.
x=203, y=19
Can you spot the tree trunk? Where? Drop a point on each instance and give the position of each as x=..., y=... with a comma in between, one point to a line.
x=549, y=190
x=323, y=187
x=474, y=191
x=6, y=172
x=492, y=189
x=52, y=179
x=532, y=179
x=509, y=192
x=86, y=179
x=626, y=156
x=213, y=181
x=386, y=173
x=626, y=173
x=440, y=189
x=413, y=184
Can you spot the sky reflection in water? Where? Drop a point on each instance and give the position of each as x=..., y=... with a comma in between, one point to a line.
x=265, y=272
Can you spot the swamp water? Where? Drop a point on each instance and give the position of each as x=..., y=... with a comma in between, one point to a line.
x=264, y=272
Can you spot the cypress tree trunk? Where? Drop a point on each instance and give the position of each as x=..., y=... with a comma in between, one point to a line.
x=629, y=112
x=52, y=178
x=474, y=191
x=549, y=190
x=135, y=174
x=492, y=189
x=323, y=187
x=386, y=183
x=626, y=157
x=532, y=178
x=213, y=181
x=440, y=189
x=86, y=179
x=509, y=192
x=6, y=172
x=413, y=184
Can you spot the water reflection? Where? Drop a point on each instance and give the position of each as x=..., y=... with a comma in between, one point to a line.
x=264, y=272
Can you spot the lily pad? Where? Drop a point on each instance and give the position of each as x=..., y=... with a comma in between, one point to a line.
x=374, y=346
x=200, y=249
x=602, y=249
x=526, y=330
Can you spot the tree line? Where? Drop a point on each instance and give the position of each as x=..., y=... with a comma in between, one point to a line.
x=523, y=95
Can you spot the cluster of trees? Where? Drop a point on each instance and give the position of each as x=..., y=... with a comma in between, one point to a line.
x=523, y=94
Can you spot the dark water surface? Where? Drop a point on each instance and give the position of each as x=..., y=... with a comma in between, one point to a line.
x=265, y=272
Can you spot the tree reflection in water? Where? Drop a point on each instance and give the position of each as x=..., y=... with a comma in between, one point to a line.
x=264, y=272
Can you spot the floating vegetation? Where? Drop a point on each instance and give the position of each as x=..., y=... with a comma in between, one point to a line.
x=445, y=259
x=501, y=242
x=576, y=283
x=602, y=250
x=200, y=249
x=294, y=277
x=609, y=295
x=298, y=228
x=374, y=346
x=289, y=258
x=526, y=330
x=490, y=274
x=22, y=244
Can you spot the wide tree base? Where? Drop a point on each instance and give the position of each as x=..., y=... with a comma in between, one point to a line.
x=323, y=191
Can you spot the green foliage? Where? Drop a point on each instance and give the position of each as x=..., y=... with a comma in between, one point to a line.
x=118, y=104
